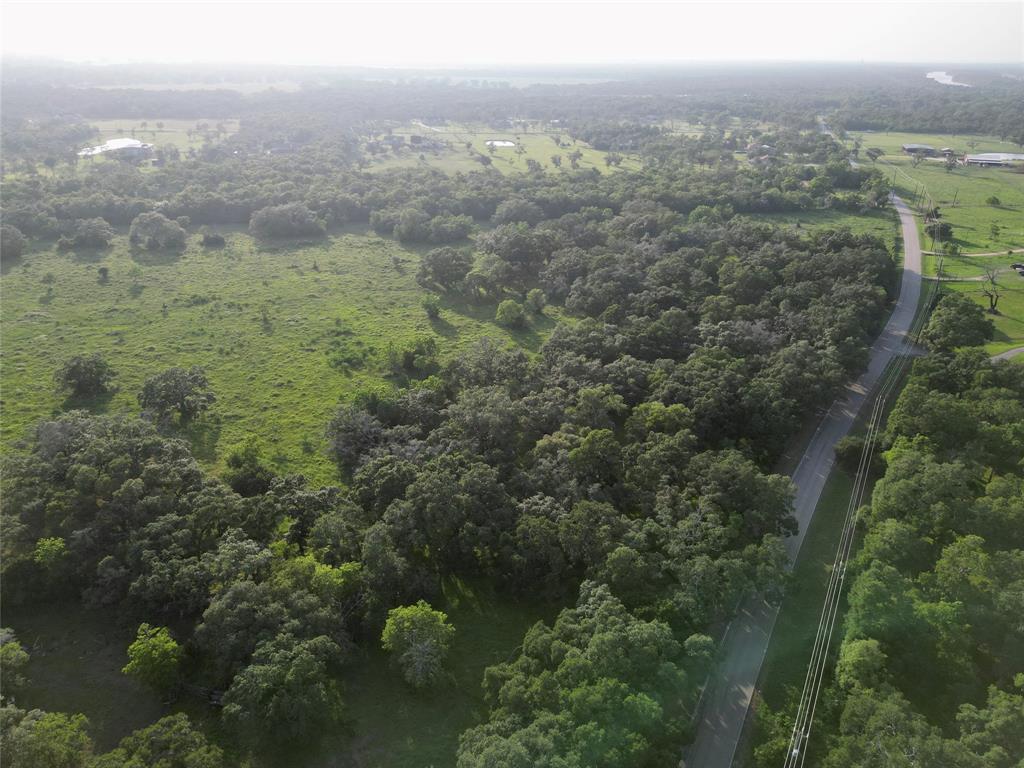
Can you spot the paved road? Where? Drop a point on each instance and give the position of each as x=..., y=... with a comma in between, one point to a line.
x=746, y=641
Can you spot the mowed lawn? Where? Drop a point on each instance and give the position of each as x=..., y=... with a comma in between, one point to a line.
x=537, y=145
x=283, y=334
x=183, y=134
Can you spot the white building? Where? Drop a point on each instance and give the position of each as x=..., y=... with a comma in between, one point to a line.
x=130, y=148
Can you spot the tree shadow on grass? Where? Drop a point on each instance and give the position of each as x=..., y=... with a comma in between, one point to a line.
x=84, y=255
x=203, y=435
x=157, y=258
x=93, y=403
x=443, y=328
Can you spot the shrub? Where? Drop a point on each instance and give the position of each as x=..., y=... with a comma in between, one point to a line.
x=177, y=389
x=85, y=375
x=155, y=231
x=432, y=306
x=419, y=637
x=536, y=301
x=282, y=221
x=12, y=243
x=510, y=314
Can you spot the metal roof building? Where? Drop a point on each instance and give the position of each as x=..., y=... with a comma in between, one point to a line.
x=126, y=146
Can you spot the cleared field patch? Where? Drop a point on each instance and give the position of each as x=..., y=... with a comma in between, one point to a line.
x=462, y=148
x=1010, y=320
x=283, y=334
x=882, y=224
x=183, y=134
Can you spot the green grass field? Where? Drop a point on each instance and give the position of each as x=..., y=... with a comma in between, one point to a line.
x=971, y=217
x=265, y=324
x=183, y=134
x=538, y=144
x=882, y=224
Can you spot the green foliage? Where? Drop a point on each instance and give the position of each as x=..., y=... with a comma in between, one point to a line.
x=286, y=221
x=247, y=474
x=85, y=375
x=418, y=637
x=956, y=322
x=38, y=739
x=171, y=742
x=185, y=391
x=13, y=659
x=155, y=231
x=510, y=314
x=286, y=693
x=154, y=657
x=536, y=300
x=12, y=243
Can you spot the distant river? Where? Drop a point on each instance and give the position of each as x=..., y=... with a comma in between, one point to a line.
x=946, y=79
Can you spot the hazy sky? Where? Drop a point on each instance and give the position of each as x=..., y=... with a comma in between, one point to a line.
x=475, y=33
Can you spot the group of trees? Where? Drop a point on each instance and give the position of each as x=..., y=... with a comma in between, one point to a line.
x=623, y=471
x=929, y=671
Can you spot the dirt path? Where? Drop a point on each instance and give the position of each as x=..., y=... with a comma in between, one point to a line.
x=727, y=698
x=1008, y=354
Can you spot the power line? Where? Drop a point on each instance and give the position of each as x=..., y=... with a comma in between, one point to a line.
x=796, y=754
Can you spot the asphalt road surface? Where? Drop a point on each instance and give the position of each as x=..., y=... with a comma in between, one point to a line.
x=731, y=687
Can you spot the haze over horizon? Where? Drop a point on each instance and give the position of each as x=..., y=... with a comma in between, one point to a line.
x=456, y=34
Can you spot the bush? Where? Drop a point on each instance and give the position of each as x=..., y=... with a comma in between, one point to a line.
x=419, y=637
x=994, y=201
x=281, y=221
x=153, y=658
x=177, y=389
x=85, y=375
x=90, y=233
x=536, y=301
x=510, y=314
x=432, y=306
x=412, y=226
x=449, y=229
x=155, y=231
x=12, y=243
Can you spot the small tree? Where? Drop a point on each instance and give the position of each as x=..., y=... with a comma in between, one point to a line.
x=432, y=306
x=994, y=201
x=419, y=637
x=153, y=658
x=177, y=389
x=155, y=231
x=536, y=301
x=12, y=243
x=510, y=314
x=85, y=375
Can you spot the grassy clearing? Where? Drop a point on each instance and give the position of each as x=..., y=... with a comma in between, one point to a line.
x=183, y=134
x=75, y=666
x=882, y=224
x=396, y=727
x=77, y=656
x=538, y=144
x=266, y=325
